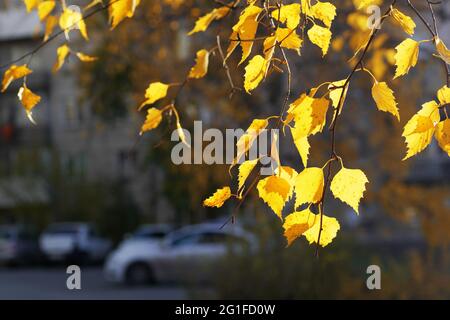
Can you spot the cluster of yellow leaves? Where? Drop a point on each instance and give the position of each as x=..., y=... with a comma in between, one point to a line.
x=285, y=36
x=306, y=116
x=419, y=130
x=158, y=90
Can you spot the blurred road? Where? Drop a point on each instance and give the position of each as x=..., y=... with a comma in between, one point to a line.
x=50, y=283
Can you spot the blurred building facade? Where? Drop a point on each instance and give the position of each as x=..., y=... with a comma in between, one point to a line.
x=67, y=135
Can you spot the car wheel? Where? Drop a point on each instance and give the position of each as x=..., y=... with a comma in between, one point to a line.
x=139, y=273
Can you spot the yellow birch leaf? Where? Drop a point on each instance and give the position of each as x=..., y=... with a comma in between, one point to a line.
x=406, y=56
x=275, y=191
x=309, y=114
x=442, y=135
x=45, y=8
x=309, y=186
x=336, y=90
x=251, y=12
x=200, y=68
x=288, y=39
x=86, y=58
x=31, y=4
x=154, y=92
x=119, y=10
x=297, y=223
x=302, y=145
x=50, y=25
x=71, y=19
x=204, y=21
x=385, y=99
x=348, y=185
x=305, y=6
x=13, y=73
x=152, y=120
x=244, y=171
x=443, y=95
x=287, y=173
x=254, y=72
x=362, y=4
x=404, y=21
x=419, y=130
x=246, y=32
x=444, y=53
x=288, y=14
x=246, y=140
x=181, y=134
x=218, y=198
x=62, y=52
x=28, y=99
x=330, y=227
x=324, y=11
x=321, y=37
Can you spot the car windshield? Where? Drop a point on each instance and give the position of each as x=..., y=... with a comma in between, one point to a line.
x=62, y=229
x=149, y=234
x=207, y=238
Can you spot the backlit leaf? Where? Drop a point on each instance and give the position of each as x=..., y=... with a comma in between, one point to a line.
x=419, y=130
x=244, y=171
x=200, y=68
x=71, y=19
x=244, y=30
x=28, y=99
x=275, y=191
x=218, y=198
x=62, y=52
x=407, y=54
x=204, y=21
x=336, y=90
x=404, y=21
x=288, y=14
x=50, y=25
x=246, y=140
x=155, y=92
x=254, y=72
x=324, y=11
x=442, y=135
x=321, y=37
x=443, y=95
x=152, y=120
x=443, y=51
x=297, y=223
x=330, y=227
x=45, y=8
x=86, y=58
x=348, y=185
x=384, y=98
x=13, y=73
x=119, y=10
x=309, y=186
x=31, y=4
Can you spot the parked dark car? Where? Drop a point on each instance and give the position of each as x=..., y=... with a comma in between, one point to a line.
x=19, y=245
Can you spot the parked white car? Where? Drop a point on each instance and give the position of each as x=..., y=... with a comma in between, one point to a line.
x=73, y=241
x=187, y=254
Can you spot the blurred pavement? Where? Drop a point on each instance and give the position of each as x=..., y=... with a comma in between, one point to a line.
x=50, y=283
